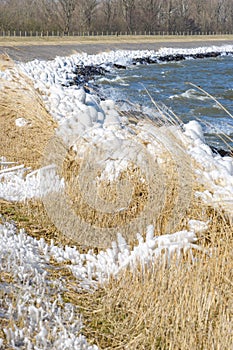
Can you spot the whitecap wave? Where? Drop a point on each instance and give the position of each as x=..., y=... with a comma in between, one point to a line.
x=190, y=94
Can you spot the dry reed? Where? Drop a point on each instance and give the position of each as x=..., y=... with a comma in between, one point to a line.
x=19, y=99
x=185, y=306
x=92, y=209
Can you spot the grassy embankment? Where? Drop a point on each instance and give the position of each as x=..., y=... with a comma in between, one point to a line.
x=110, y=39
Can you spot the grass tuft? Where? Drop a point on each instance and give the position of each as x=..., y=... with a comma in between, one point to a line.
x=19, y=99
x=185, y=306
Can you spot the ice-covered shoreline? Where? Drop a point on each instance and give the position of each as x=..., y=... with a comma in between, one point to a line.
x=46, y=320
x=76, y=111
x=52, y=77
x=83, y=121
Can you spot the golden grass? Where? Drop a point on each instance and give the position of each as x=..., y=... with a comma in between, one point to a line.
x=5, y=62
x=108, y=191
x=32, y=217
x=27, y=144
x=24, y=41
x=92, y=210
x=185, y=306
x=19, y=99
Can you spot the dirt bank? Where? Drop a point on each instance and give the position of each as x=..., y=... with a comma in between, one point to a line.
x=27, y=49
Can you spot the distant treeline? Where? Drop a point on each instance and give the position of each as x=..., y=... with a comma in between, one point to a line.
x=151, y=16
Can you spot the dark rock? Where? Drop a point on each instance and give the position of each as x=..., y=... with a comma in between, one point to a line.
x=206, y=55
x=119, y=66
x=144, y=60
x=172, y=58
x=83, y=74
x=221, y=152
x=86, y=73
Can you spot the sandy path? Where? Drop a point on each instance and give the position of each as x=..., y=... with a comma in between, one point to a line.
x=48, y=49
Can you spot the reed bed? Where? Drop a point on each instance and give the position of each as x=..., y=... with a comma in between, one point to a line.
x=180, y=306
x=93, y=209
x=19, y=99
x=186, y=305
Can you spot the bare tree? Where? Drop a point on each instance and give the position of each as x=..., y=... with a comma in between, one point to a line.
x=221, y=14
x=88, y=10
x=128, y=7
x=19, y=14
x=183, y=15
x=66, y=9
x=117, y=15
x=169, y=15
x=108, y=10
x=150, y=12
x=50, y=16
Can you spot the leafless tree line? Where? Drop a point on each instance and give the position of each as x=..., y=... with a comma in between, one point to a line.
x=117, y=15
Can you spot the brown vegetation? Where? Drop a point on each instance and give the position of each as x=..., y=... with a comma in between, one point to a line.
x=183, y=306
x=18, y=99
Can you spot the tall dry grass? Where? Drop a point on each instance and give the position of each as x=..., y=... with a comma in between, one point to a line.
x=180, y=306
x=92, y=209
x=183, y=306
x=19, y=99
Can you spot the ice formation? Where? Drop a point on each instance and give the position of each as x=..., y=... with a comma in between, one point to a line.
x=84, y=116
x=40, y=319
x=86, y=121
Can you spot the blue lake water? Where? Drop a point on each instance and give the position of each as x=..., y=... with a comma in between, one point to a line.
x=169, y=83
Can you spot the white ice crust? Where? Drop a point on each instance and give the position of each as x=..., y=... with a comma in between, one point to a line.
x=78, y=114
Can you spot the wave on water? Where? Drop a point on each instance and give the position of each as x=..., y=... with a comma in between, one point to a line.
x=111, y=80
x=228, y=94
x=191, y=94
x=218, y=127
